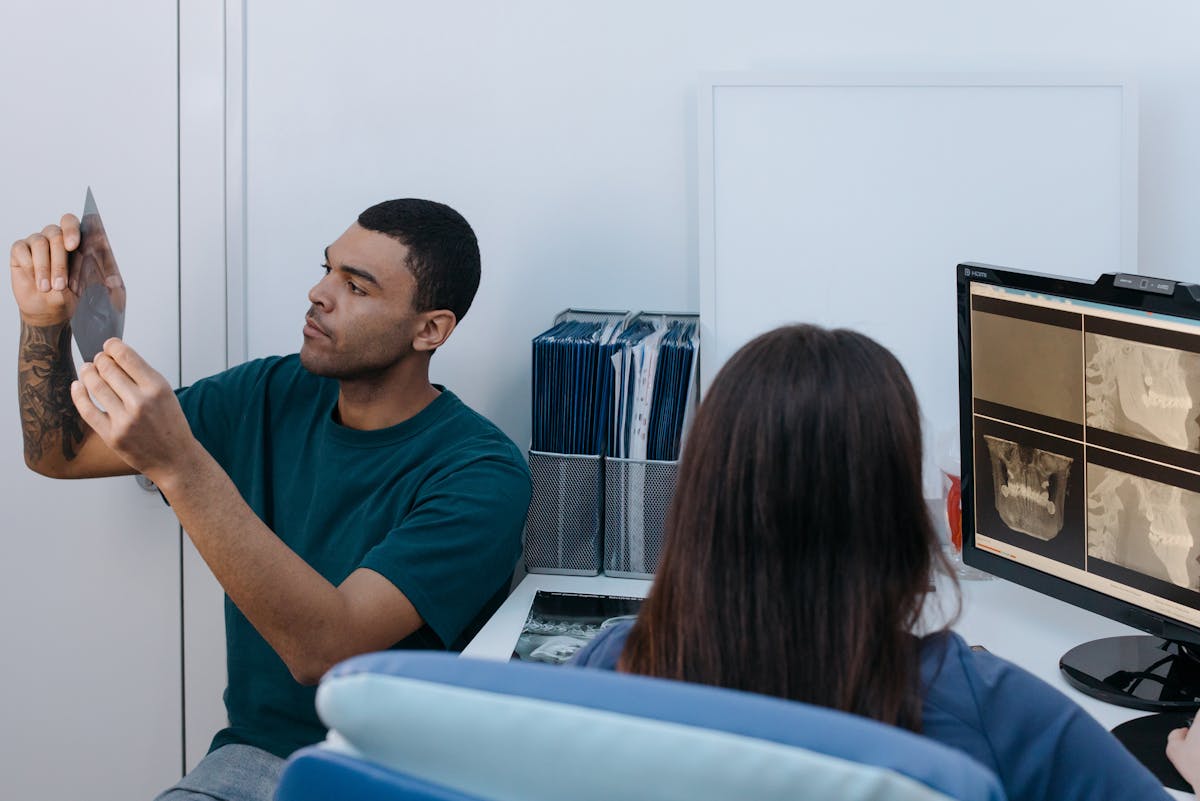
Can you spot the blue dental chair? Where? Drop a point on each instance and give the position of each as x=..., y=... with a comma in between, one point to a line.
x=414, y=726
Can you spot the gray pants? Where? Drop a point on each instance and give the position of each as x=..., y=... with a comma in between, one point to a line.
x=231, y=773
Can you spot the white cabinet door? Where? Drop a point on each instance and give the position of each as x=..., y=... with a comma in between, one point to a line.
x=90, y=679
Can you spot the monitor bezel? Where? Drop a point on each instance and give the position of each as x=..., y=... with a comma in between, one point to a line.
x=1185, y=303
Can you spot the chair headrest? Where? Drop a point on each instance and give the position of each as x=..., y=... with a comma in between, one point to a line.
x=467, y=723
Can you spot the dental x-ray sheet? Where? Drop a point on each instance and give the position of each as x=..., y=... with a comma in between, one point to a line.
x=93, y=276
x=560, y=623
x=1086, y=440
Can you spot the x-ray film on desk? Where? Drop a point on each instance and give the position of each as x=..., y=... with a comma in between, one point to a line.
x=1085, y=431
x=560, y=623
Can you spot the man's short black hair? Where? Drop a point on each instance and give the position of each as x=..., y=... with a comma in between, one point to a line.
x=443, y=253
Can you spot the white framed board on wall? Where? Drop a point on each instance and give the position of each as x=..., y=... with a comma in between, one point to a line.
x=847, y=201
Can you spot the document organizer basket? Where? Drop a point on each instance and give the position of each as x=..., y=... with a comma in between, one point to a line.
x=637, y=494
x=562, y=530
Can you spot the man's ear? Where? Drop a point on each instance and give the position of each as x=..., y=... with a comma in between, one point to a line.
x=436, y=327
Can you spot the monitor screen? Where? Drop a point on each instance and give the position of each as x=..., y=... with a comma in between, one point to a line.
x=1080, y=418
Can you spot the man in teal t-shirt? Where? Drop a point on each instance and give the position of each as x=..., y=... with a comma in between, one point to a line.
x=344, y=502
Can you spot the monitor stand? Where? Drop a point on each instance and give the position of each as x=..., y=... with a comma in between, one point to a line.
x=1141, y=672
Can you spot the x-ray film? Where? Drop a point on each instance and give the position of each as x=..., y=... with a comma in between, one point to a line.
x=93, y=276
x=560, y=623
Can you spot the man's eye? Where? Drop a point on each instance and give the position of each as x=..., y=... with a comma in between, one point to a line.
x=326, y=268
x=354, y=288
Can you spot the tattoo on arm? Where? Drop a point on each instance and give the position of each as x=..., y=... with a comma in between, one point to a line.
x=45, y=370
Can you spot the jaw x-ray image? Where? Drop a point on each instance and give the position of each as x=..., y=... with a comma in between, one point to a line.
x=1144, y=391
x=1143, y=525
x=1030, y=486
x=1029, y=491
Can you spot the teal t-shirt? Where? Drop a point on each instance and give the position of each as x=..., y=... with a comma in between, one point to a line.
x=435, y=504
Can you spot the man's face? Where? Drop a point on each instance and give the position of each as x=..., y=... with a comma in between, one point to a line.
x=361, y=321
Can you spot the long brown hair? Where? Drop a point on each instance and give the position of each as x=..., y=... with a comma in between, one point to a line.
x=798, y=547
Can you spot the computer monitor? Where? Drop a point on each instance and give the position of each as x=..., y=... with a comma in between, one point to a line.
x=1080, y=423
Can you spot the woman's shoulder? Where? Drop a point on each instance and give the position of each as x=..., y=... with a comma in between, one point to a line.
x=949, y=663
x=965, y=681
x=1001, y=713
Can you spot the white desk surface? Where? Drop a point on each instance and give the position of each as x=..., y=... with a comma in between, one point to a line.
x=1024, y=627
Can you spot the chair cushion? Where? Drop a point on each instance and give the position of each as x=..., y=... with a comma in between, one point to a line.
x=321, y=774
x=529, y=732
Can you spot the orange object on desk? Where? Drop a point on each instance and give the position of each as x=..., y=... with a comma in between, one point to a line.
x=954, y=511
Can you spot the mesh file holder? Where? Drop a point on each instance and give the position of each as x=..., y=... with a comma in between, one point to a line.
x=637, y=494
x=562, y=530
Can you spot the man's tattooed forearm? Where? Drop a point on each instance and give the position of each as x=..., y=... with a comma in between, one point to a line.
x=45, y=371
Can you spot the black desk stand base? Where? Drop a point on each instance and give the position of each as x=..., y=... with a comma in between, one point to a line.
x=1141, y=672
x=1146, y=739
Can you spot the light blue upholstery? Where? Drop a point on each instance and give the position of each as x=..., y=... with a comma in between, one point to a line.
x=433, y=726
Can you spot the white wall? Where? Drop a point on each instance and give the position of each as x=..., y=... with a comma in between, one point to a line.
x=208, y=264
x=90, y=703
x=566, y=134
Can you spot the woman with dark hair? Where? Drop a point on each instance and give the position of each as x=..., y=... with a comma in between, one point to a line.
x=798, y=555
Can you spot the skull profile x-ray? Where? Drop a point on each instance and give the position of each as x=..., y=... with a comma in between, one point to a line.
x=1143, y=525
x=1030, y=487
x=1145, y=391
